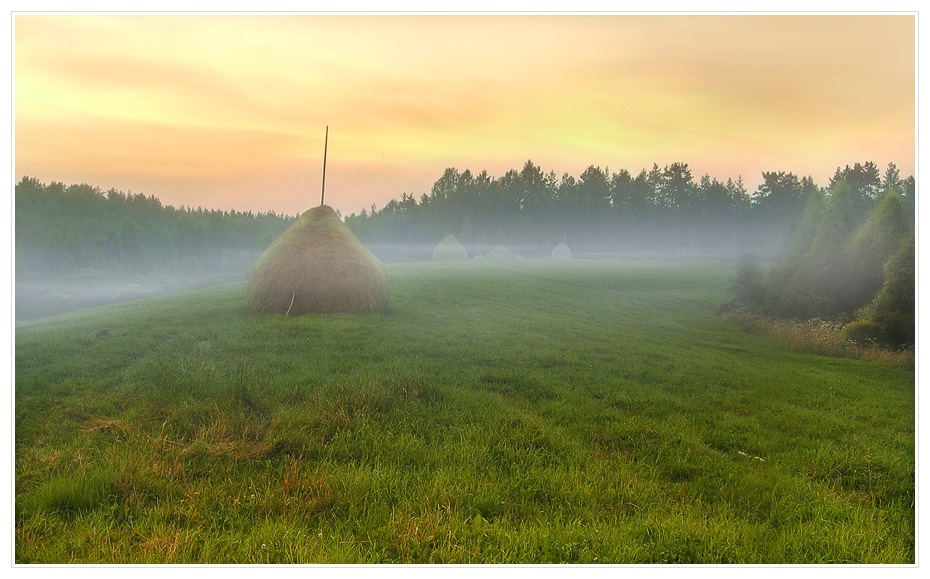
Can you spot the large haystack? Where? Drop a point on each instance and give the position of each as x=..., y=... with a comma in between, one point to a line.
x=318, y=265
x=561, y=251
x=449, y=249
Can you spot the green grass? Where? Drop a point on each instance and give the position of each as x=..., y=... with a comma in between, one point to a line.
x=516, y=412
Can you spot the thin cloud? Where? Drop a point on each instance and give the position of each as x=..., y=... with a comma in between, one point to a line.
x=224, y=99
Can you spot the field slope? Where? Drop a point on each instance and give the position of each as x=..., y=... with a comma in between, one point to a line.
x=501, y=412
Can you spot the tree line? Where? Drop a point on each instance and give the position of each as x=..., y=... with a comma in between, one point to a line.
x=841, y=252
x=658, y=212
x=66, y=229
x=842, y=263
x=78, y=246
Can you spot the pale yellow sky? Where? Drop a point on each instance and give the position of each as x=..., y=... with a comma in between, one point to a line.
x=230, y=111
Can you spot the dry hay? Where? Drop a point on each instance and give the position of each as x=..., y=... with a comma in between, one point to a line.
x=561, y=251
x=318, y=265
x=449, y=249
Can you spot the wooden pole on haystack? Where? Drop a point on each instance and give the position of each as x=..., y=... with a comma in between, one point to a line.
x=325, y=146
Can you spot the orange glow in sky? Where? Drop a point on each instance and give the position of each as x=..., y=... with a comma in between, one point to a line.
x=229, y=112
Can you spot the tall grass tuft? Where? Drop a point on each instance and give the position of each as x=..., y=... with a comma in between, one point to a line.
x=820, y=337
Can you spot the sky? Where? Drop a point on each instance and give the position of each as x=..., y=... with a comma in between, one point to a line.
x=230, y=111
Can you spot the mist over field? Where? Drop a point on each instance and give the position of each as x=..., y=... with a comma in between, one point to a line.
x=553, y=371
x=77, y=246
x=51, y=295
x=528, y=412
x=399, y=252
x=613, y=288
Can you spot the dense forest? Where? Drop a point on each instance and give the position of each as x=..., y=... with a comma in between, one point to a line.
x=847, y=260
x=843, y=251
x=78, y=246
x=659, y=213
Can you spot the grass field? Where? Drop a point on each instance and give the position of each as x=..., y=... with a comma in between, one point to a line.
x=501, y=412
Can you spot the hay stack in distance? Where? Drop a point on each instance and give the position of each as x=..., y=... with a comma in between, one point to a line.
x=318, y=265
x=449, y=249
x=561, y=251
x=501, y=252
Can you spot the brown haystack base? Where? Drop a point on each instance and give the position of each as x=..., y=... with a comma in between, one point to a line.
x=318, y=265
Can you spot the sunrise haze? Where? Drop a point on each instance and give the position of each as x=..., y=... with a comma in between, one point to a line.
x=229, y=112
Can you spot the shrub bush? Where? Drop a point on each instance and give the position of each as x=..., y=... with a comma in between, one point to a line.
x=863, y=332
